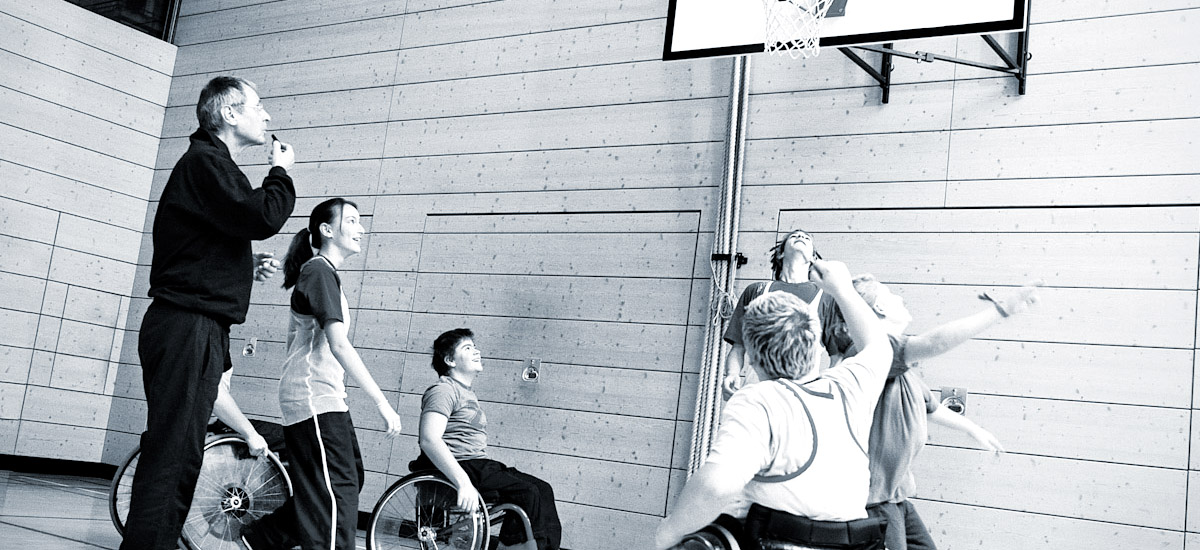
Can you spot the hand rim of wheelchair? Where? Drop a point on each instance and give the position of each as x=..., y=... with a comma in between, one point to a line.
x=122, y=485
x=385, y=512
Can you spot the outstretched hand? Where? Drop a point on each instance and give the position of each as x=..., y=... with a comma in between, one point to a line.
x=1023, y=299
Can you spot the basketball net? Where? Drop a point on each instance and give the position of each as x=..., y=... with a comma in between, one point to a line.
x=794, y=27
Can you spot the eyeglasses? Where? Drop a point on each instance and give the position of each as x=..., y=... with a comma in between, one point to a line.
x=258, y=106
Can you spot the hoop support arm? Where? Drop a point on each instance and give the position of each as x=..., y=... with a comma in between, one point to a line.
x=1014, y=65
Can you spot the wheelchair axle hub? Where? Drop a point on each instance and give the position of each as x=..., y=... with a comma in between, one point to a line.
x=236, y=501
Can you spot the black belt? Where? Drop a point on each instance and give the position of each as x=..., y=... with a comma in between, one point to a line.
x=766, y=523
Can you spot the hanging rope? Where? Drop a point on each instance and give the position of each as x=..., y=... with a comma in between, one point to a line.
x=724, y=273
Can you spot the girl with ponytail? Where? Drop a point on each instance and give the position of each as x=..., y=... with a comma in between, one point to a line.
x=326, y=465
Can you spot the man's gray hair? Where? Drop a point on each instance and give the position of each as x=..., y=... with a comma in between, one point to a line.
x=219, y=92
x=780, y=332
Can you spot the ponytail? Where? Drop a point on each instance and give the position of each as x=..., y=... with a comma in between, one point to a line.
x=299, y=251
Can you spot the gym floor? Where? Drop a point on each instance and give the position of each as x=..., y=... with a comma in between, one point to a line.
x=58, y=512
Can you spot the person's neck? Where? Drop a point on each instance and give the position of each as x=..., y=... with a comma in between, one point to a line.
x=795, y=272
x=334, y=255
x=231, y=141
x=463, y=378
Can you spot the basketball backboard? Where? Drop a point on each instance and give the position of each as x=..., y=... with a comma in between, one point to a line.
x=712, y=28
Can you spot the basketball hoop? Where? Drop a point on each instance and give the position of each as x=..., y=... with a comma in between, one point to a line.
x=794, y=27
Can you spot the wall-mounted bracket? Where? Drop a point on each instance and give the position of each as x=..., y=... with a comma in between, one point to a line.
x=532, y=371
x=1015, y=64
x=883, y=76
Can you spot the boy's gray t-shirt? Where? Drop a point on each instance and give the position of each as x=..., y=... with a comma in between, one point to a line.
x=466, y=425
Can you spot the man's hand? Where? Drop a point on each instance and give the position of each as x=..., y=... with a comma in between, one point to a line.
x=392, y=419
x=258, y=445
x=830, y=275
x=265, y=266
x=282, y=155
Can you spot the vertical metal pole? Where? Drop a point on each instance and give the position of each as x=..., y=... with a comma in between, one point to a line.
x=708, y=395
x=1023, y=50
x=886, y=70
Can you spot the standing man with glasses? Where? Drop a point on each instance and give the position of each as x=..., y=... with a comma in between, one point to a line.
x=200, y=279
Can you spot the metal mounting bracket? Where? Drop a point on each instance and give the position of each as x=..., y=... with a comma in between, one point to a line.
x=1014, y=64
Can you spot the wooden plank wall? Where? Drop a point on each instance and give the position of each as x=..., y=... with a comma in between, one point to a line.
x=527, y=168
x=84, y=100
x=1090, y=182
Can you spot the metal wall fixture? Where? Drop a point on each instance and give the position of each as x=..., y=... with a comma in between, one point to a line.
x=955, y=399
x=532, y=370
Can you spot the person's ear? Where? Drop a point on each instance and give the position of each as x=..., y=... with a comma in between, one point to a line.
x=227, y=115
x=326, y=230
x=449, y=360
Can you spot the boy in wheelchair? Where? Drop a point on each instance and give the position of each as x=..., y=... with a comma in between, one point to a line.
x=453, y=439
x=790, y=455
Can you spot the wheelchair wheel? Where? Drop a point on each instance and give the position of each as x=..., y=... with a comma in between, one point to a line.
x=234, y=489
x=121, y=490
x=420, y=512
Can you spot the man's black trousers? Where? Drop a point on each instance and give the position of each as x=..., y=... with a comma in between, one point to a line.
x=183, y=355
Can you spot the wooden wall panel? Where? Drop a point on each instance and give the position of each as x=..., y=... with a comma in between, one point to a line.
x=1150, y=260
x=635, y=300
x=74, y=162
x=274, y=17
x=1068, y=371
x=994, y=529
x=64, y=52
x=1108, y=149
x=1142, y=93
x=1117, y=191
x=596, y=45
x=674, y=122
x=1117, y=493
x=48, y=119
x=61, y=194
x=581, y=87
x=357, y=37
x=100, y=33
x=301, y=77
x=847, y=159
x=607, y=168
x=1071, y=429
x=923, y=107
x=79, y=143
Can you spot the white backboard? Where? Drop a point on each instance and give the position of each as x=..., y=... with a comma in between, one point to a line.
x=711, y=28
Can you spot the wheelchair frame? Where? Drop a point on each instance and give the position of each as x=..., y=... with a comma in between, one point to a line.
x=233, y=503
x=440, y=529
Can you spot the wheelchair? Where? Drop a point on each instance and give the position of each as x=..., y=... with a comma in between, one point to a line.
x=234, y=489
x=420, y=511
